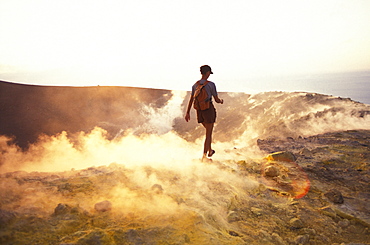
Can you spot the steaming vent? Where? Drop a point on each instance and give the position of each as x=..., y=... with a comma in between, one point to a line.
x=118, y=165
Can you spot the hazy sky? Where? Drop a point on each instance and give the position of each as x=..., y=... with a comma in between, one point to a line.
x=162, y=43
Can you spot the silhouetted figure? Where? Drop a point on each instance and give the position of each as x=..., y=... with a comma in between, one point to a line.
x=206, y=112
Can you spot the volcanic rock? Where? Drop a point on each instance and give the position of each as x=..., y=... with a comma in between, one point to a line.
x=254, y=215
x=6, y=217
x=103, y=206
x=296, y=223
x=277, y=239
x=334, y=196
x=256, y=211
x=281, y=156
x=233, y=216
x=306, y=153
x=62, y=209
x=158, y=189
x=229, y=201
x=301, y=240
x=271, y=171
x=344, y=223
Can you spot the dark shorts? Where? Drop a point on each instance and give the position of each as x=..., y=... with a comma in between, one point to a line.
x=207, y=116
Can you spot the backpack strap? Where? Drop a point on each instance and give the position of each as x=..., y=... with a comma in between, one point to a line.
x=199, y=87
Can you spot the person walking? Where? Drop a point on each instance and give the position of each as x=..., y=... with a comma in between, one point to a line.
x=206, y=114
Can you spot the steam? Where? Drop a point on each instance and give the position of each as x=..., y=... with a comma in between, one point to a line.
x=282, y=114
x=147, y=175
x=154, y=169
x=166, y=140
x=59, y=153
x=160, y=120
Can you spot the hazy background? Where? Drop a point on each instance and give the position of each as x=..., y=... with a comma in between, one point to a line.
x=252, y=46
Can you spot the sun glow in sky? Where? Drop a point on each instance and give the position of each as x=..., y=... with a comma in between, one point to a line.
x=162, y=43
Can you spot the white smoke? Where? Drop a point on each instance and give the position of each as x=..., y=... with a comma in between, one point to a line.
x=158, y=171
x=160, y=120
x=241, y=121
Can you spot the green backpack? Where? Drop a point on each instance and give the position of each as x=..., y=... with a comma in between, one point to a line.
x=201, y=101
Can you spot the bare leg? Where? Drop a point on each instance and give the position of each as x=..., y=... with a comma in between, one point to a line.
x=208, y=140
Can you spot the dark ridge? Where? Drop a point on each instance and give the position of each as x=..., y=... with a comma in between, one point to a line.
x=28, y=111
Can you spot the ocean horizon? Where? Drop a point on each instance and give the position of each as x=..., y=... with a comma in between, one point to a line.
x=353, y=85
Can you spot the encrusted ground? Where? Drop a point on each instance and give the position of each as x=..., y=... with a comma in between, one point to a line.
x=109, y=205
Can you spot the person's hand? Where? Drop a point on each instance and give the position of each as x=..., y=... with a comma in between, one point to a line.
x=187, y=117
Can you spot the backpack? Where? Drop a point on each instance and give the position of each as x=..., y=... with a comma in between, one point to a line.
x=201, y=101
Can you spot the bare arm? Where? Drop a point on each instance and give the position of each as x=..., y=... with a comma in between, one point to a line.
x=218, y=100
x=187, y=116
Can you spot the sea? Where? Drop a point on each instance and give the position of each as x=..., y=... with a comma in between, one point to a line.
x=353, y=85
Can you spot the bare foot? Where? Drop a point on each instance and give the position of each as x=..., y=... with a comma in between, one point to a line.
x=211, y=153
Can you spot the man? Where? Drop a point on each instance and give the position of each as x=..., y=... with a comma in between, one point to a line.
x=206, y=117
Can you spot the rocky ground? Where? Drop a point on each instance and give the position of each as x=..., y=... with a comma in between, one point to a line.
x=80, y=207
